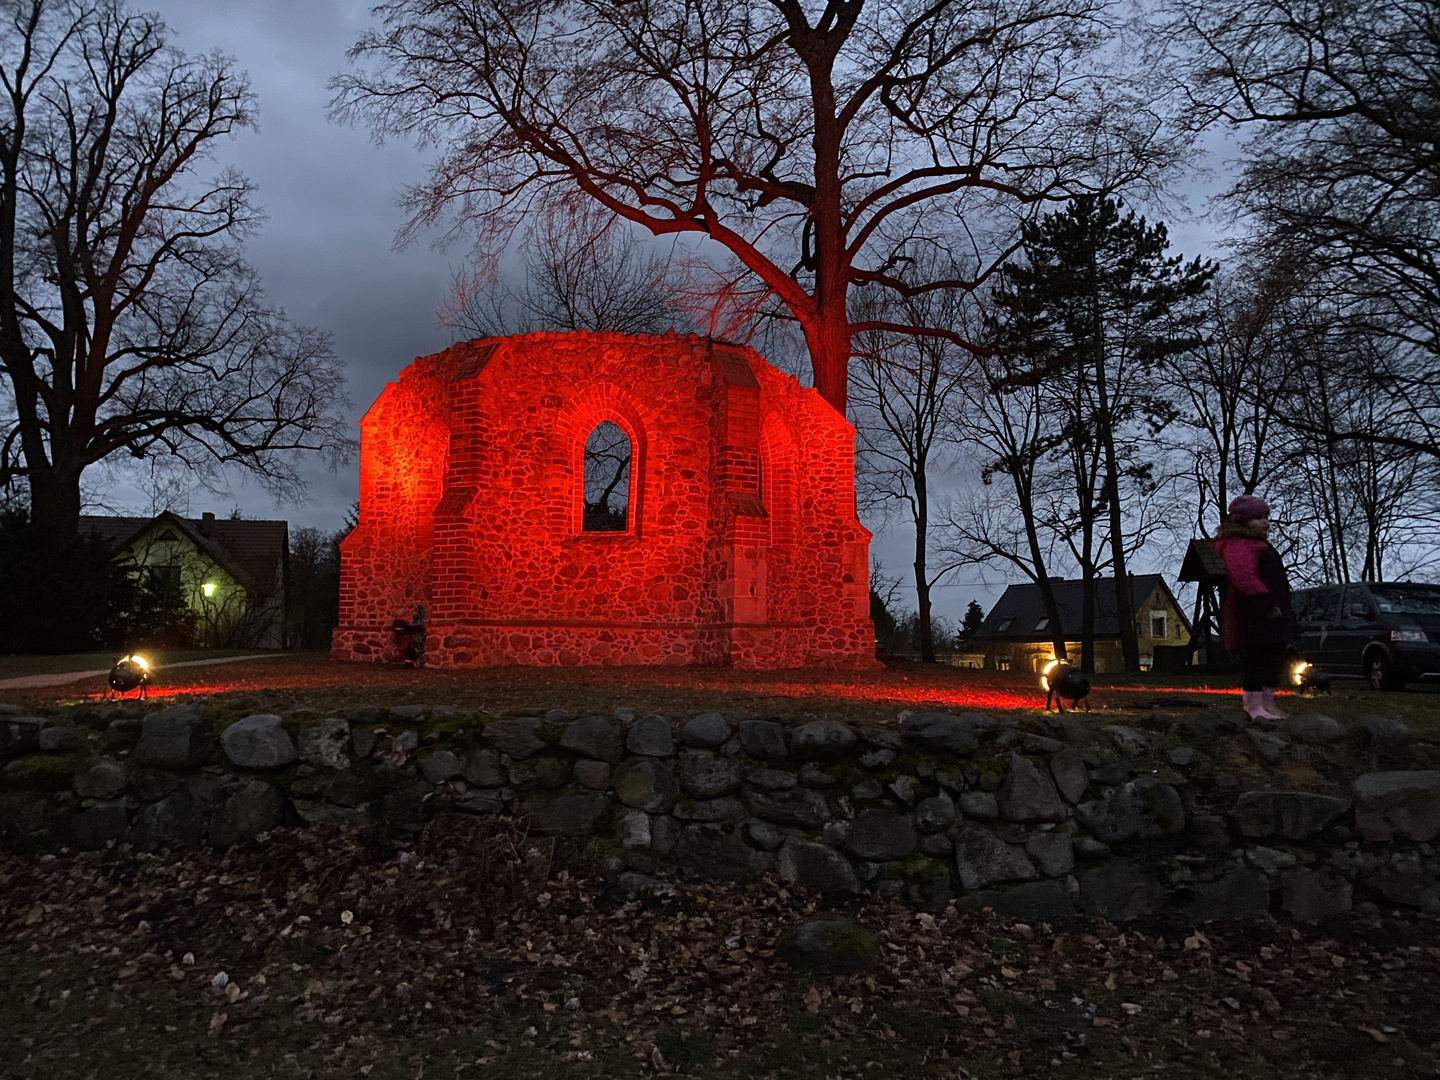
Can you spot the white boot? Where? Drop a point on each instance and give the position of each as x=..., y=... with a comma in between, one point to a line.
x=1271, y=709
x=1253, y=702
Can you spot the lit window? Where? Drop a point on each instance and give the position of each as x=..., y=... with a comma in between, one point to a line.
x=1002, y=663
x=607, y=479
x=208, y=588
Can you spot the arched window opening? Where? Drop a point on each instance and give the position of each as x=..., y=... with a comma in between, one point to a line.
x=607, y=479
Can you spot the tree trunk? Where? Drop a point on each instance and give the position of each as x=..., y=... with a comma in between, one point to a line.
x=54, y=504
x=922, y=576
x=1124, y=603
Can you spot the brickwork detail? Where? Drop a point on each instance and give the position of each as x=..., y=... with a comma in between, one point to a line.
x=742, y=546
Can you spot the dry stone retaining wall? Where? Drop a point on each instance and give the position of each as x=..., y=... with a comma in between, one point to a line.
x=1041, y=817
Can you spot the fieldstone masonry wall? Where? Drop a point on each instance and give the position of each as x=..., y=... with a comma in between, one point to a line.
x=1040, y=817
x=742, y=547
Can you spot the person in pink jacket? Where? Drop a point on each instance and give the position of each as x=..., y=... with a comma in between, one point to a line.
x=1256, y=622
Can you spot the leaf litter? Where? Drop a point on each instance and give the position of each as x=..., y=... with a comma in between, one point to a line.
x=348, y=944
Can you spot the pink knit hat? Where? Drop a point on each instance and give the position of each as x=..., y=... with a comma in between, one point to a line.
x=1249, y=508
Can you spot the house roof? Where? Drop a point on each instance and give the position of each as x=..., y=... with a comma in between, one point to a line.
x=252, y=552
x=1202, y=562
x=1023, y=607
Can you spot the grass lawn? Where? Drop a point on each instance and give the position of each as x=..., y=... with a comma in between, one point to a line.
x=14, y=667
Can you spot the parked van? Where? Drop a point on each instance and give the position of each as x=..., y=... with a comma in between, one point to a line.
x=1386, y=632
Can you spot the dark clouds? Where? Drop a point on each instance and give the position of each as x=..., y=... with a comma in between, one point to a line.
x=326, y=250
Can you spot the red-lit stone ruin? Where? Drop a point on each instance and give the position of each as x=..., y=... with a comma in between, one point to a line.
x=576, y=498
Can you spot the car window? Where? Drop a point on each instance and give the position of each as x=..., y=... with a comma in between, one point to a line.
x=1356, y=596
x=1407, y=599
x=1316, y=605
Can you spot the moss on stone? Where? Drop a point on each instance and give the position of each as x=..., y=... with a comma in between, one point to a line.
x=45, y=772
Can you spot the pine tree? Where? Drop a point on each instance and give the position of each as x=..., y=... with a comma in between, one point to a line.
x=1095, y=304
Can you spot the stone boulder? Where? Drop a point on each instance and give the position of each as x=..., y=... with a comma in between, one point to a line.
x=821, y=740
x=177, y=738
x=1029, y=795
x=255, y=808
x=935, y=814
x=101, y=778
x=324, y=744
x=1407, y=803
x=828, y=944
x=1071, y=774
x=176, y=820
x=1313, y=729
x=764, y=739
x=708, y=730
x=817, y=867
x=482, y=769
x=20, y=735
x=647, y=785
x=1127, y=740
x=1120, y=890
x=1240, y=892
x=596, y=737
x=1313, y=896
x=516, y=737
x=982, y=859
x=1138, y=810
x=437, y=766
x=1296, y=815
x=570, y=814
x=957, y=734
x=651, y=737
x=258, y=742
x=540, y=774
x=980, y=805
x=881, y=836
x=707, y=775
x=1053, y=852
x=801, y=807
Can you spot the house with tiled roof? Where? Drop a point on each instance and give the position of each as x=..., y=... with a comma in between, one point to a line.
x=226, y=575
x=1017, y=636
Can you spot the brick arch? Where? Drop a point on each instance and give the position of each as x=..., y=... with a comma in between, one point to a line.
x=581, y=413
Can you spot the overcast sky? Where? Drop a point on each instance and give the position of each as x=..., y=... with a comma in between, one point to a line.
x=326, y=253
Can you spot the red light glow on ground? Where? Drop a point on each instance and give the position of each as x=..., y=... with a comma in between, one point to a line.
x=286, y=680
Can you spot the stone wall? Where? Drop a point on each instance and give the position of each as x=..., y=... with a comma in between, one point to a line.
x=1035, y=816
x=471, y=508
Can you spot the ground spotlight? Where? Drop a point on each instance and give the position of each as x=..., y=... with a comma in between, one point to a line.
x=130, y=673
x=1063, y=683
x=1308, y=679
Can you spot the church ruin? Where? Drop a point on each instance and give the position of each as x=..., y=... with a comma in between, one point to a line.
x=581, y=498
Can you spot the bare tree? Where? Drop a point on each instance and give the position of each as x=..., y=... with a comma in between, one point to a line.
x=903, y=404
x=129, y=321
x=1232, y=439
x=584, y=270
x=1340, y=98
x=813, y=143
x=1007, y=434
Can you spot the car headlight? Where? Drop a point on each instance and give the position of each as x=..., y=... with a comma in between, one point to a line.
x=1408, y=635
